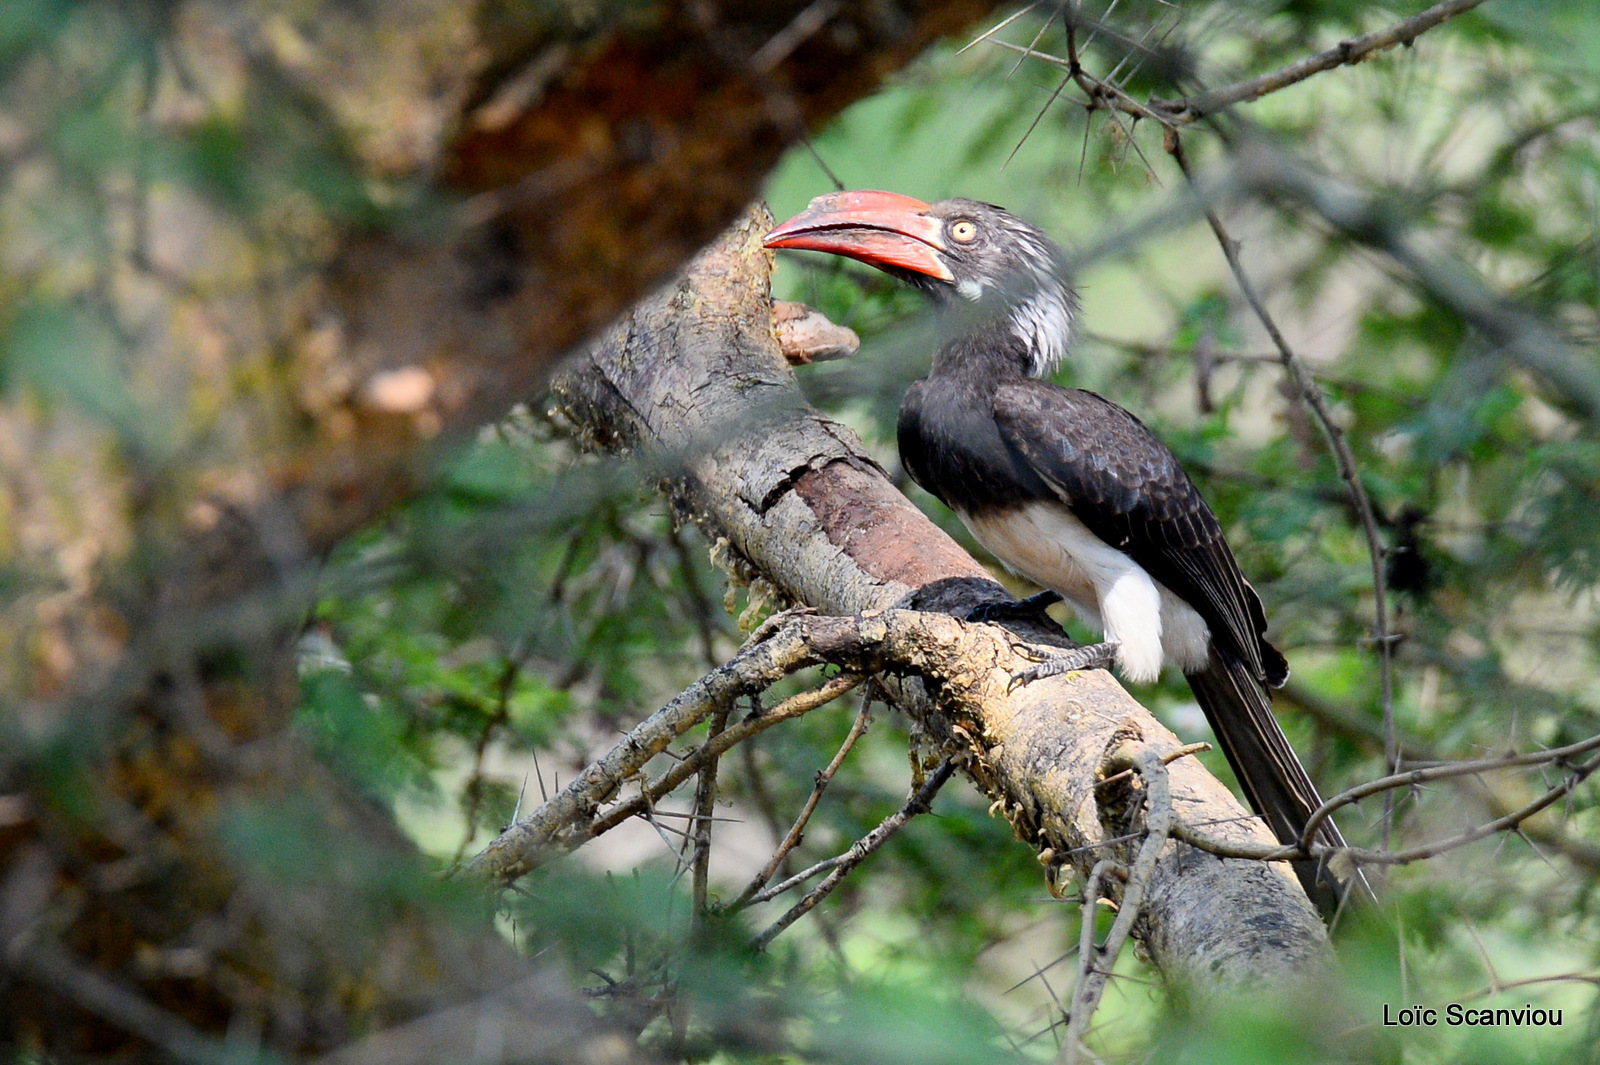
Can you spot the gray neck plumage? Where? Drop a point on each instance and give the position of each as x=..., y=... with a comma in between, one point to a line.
x=1026, y=328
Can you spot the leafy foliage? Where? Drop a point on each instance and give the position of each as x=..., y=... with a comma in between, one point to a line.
x=484, y=642
x=1483, y=480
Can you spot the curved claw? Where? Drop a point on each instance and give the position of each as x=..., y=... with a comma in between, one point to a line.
x=1093, y=656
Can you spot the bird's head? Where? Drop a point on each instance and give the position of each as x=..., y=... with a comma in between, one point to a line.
x=959, y=251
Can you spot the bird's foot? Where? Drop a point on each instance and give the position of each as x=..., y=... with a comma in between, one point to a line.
x=1094, y=656
x=1032, y=608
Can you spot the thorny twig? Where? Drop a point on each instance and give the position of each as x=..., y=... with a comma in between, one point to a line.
x=824, y=776
x=1349, y=51
x=774, y=651
x=767, y=894
x=1103, y=93
x=719, y=745
x=1414, y=753
x=705, y=799
x=861, y=850
x=1305, y=848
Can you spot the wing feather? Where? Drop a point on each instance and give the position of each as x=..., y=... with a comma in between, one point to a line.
x=1129, y=489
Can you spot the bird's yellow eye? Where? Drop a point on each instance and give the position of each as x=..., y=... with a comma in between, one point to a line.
x=963, y=231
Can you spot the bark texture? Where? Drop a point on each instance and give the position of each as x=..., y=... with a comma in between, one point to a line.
x=694, y=378
x=399, y=214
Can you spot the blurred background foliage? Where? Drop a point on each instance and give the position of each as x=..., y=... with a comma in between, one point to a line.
x=1485, y=484
x=485, y=642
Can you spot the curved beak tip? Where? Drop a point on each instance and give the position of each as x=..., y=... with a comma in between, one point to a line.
x=883, y=229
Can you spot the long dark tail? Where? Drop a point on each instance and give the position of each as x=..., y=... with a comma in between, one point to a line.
x=1275, y=783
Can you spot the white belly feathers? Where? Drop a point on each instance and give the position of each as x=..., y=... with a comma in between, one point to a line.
x=1110, y=592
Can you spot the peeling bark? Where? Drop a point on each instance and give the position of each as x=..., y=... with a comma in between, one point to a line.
x=694, y=378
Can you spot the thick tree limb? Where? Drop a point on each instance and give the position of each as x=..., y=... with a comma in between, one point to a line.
x=694, y=378
x=535, y=168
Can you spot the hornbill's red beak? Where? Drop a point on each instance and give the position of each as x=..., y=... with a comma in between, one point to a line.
x=882, y=229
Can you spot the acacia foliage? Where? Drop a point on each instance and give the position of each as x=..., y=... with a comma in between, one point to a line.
x=534, y=600
x=1479, y=138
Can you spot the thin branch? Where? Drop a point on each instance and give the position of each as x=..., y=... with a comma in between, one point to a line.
x=772, y=652
x=1166, y=759
x=1414, y=777
x=1415, y=752
x=1088, y=917
x=789, y=883
x=1347, y=52
x=1174, y=114
x=705, y=799
x=1344, y=458
x=1095, y=963
x=713, y=748
x=791, y=839
x=1305, y=848
x=1591, y=978
x=1500, y=824
x=861, y=850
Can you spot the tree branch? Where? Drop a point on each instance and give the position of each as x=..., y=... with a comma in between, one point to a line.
x=1514, y=333
x=1347, y=52
x=695, y=379
x=919, y=803
x=791, y=839
x=1173, y=114
x=769, y=656
x=1096, y=962
x=1306, y=847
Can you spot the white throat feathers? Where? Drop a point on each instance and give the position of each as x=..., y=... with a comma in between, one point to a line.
x=1043, y=322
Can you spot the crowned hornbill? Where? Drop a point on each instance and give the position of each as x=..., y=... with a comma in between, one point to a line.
x=1067, y=488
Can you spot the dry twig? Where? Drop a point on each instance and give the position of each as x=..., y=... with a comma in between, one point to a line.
x=1344, y=458
x=791, y=839
x=1095, y=962
x=1576, y=774
x=771, y=653
x=1106, y=94
x=862, y=849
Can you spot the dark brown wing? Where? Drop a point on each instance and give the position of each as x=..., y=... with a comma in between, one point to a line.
x=1128, y=488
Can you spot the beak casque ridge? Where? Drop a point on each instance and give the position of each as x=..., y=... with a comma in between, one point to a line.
x=883, y=229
